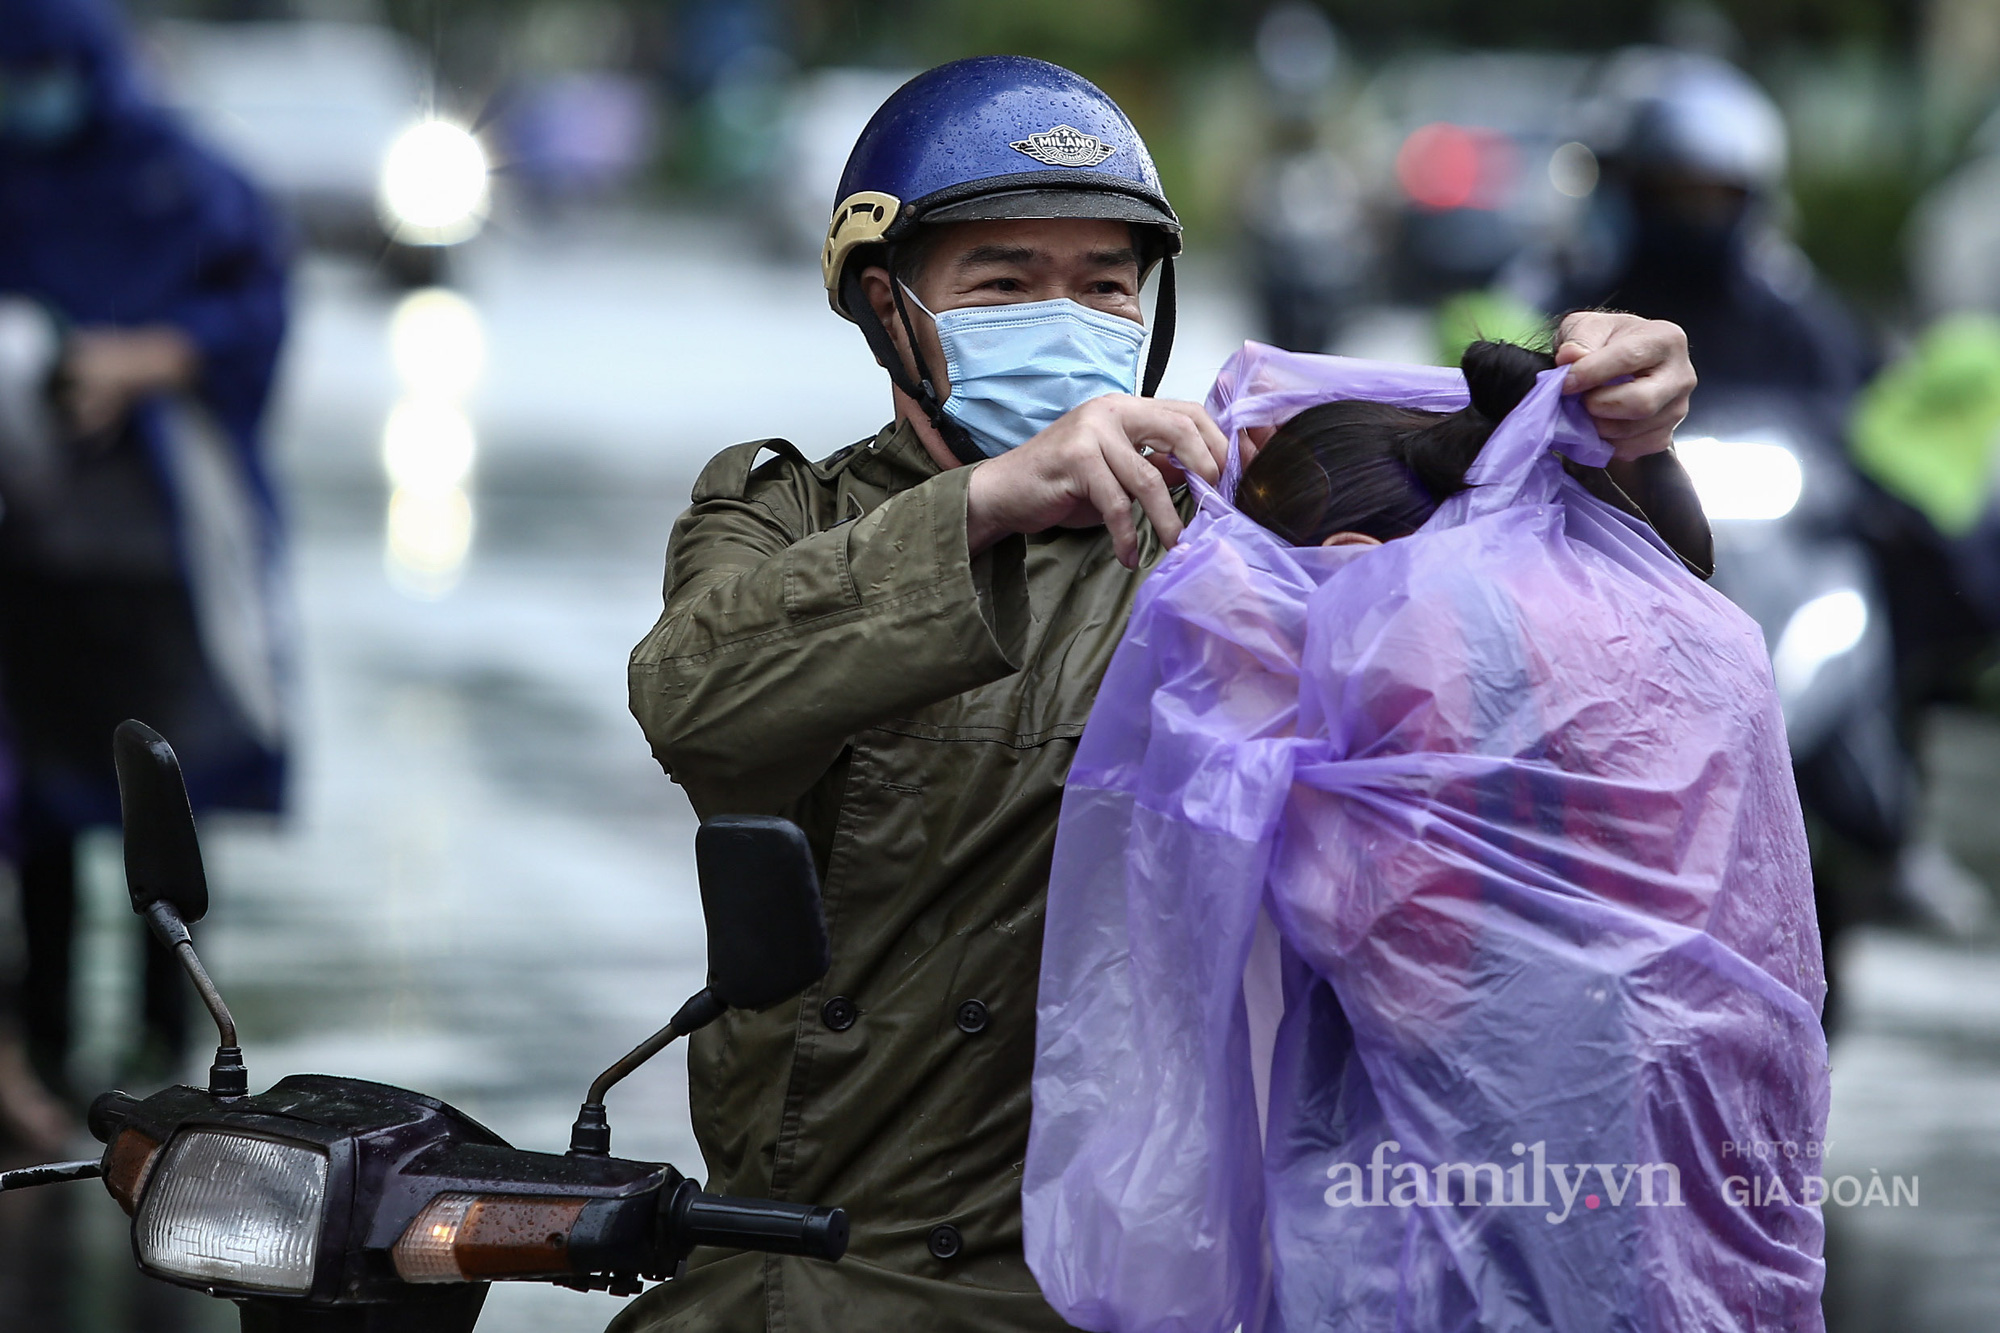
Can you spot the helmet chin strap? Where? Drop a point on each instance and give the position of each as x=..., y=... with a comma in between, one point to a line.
x=1163, y=331
x=955, y=436
x=923, y=389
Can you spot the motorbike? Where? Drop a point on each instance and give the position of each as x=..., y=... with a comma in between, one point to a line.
x=1784, y=504
x=336, y=1205
x=1782, y=500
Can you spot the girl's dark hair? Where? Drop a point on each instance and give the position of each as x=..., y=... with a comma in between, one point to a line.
x=1354, y=466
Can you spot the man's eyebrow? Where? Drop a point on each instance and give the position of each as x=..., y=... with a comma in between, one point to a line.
x=1027, y=254
x=998, y=254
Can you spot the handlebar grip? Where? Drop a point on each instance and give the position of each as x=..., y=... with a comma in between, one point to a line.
x=764, y=1224
x=108, y=1114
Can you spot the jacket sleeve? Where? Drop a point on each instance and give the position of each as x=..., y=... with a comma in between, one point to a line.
x=779, y=642
x=1665, y=494
x=1657, y=489
x=234, y=303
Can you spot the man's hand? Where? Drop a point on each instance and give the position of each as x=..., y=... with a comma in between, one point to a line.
x=1088, y=468
x=1649, y=359
x=105, y=371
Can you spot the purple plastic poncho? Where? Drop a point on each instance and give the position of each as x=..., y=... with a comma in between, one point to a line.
x=1430, y=942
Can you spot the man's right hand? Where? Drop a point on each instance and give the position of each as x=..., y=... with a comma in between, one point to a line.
x=106, y=370
x=1090, y=466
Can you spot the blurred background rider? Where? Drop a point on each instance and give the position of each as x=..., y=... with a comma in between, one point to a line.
x=142, y=294
x=1686, y=224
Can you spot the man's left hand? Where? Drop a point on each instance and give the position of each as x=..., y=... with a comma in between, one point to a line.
x=1649, y=359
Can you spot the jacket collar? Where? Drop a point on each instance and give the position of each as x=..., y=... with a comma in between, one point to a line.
x=895, y=459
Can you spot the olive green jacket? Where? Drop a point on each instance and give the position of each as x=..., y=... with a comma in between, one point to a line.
x=831, y=652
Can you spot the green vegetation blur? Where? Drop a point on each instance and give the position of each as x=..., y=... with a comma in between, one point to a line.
x=1881, y=95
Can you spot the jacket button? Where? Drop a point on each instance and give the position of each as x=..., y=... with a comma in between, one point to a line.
x=945, y=1242
x=839, y=1013
x=972, y=1016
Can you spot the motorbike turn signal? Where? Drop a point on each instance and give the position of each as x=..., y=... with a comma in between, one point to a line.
x=487, y=1238
x=127, y=1166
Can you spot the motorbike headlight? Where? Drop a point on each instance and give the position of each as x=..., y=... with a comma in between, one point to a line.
x=434, y=184
x=1742, y=479
x=234, y=1208
x=1821, y=630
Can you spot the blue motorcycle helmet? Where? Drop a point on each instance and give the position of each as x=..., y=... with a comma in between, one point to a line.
x=991, y=138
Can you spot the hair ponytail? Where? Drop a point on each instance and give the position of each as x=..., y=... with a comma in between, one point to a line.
x=1353, y=466
x=1498, y=376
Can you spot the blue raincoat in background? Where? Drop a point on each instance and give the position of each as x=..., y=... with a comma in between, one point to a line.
x=126, y=221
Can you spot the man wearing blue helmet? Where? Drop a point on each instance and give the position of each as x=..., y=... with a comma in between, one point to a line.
x=898, y=646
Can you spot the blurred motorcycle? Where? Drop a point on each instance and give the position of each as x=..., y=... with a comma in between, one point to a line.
x=1305, y=222
x=1484, y=166
x=1781, y=497
x=335, y=1205
x=1782, y=500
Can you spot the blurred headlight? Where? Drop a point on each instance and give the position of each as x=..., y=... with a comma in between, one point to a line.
x=1818, y=632
x=437, y=343
x=434, y=183
x=427, y=445
x=236, y=1209
x=1742, y=479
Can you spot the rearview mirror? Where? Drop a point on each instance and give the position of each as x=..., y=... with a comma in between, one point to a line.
x=766, y=943
x=162, y=856
x=760, y=896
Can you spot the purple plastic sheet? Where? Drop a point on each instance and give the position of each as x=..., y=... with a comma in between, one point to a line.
x=1430, y=943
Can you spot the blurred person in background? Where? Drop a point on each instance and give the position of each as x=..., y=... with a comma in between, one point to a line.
x=1928, y=428
x=1685, y=225
x=32, y=1120
x=142, y=282
x=1304, y=219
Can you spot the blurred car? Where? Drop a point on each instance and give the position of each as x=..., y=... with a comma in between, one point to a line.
x=339, y=122
x=1482, y=165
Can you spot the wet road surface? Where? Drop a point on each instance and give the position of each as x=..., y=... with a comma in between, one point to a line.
x=486, y=890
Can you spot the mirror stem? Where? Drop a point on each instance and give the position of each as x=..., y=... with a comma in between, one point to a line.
x=590, y=1136
x=227, y=1076
x=55, y=1173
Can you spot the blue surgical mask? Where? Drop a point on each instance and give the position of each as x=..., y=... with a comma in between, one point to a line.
x=1015, y=368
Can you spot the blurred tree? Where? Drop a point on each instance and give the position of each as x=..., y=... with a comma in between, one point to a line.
x=1763, y=24
x=1176, y=66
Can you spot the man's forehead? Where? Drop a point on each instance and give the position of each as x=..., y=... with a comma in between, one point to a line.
x=1096, y=241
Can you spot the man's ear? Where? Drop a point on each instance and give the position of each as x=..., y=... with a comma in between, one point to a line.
x=879, y=287
x=1351, y=539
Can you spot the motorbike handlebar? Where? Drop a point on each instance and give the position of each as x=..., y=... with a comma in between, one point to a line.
x=108, y=1115
x=762, y=1224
